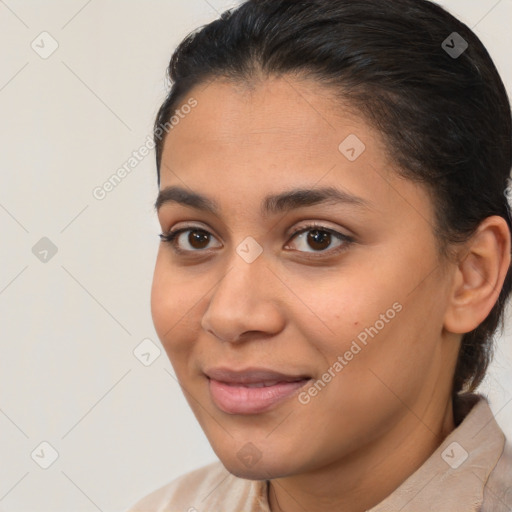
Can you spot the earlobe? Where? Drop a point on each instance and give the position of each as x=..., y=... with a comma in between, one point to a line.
x=479, y=276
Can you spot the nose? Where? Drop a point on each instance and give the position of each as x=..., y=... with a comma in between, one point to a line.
x=244, y=303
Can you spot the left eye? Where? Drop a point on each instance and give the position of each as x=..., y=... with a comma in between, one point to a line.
x=318, y=238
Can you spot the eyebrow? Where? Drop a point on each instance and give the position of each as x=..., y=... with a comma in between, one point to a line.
x=271, y=204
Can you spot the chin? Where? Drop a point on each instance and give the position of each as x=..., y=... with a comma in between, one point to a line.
x=256, y=469
x=260, y=472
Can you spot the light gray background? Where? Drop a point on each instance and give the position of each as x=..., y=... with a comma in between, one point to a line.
x=69, y=326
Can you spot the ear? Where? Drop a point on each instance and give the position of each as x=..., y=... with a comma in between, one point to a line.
x=479, y=275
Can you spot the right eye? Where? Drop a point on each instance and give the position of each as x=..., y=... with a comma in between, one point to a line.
x=195, y=241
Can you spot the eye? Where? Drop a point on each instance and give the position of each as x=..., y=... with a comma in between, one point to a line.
x=319, y=238
x=196, y=241
x=315, y=236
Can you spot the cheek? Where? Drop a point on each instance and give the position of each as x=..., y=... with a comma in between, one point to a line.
x=162, y=300
x=172, y=307
x=369, y=321
x=338, y=309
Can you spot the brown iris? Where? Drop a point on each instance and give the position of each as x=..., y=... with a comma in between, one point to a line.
x=319, y=237
x=196, y=237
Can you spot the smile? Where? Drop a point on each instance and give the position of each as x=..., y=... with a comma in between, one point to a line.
x=251, y=391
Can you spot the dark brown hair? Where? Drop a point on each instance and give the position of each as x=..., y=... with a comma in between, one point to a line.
x=442, y=108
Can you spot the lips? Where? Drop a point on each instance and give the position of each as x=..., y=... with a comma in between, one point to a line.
x=253, y=390
x=251, y=376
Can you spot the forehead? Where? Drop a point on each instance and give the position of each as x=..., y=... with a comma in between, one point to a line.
x=273, y=120
x=286, y=108
x=240, y=144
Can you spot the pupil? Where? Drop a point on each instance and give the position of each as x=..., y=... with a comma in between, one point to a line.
x=319, y=237
x=196, y=237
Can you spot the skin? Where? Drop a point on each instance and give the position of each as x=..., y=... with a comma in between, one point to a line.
x=296, y=308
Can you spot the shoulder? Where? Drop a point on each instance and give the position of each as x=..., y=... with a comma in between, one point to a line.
x=498, y=488
x=204, y=488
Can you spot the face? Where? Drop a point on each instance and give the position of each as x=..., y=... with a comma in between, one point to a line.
x=334, y=303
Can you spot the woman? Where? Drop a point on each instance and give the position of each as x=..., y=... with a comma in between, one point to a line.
x=335, y=258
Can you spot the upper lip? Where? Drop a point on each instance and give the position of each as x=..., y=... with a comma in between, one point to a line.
x=251, y=375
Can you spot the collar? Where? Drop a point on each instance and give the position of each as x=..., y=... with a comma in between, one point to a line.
x=454, y=476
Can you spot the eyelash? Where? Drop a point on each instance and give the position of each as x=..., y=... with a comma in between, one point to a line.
x=170, y=237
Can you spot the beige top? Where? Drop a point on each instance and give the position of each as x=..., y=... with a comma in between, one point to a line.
x=470, y=471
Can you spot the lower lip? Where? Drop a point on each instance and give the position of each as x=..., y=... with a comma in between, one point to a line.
x=236, y=399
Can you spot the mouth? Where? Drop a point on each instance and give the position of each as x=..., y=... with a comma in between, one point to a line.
x=253, y=390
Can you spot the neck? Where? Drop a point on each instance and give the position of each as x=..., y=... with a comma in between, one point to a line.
x=363, y=479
